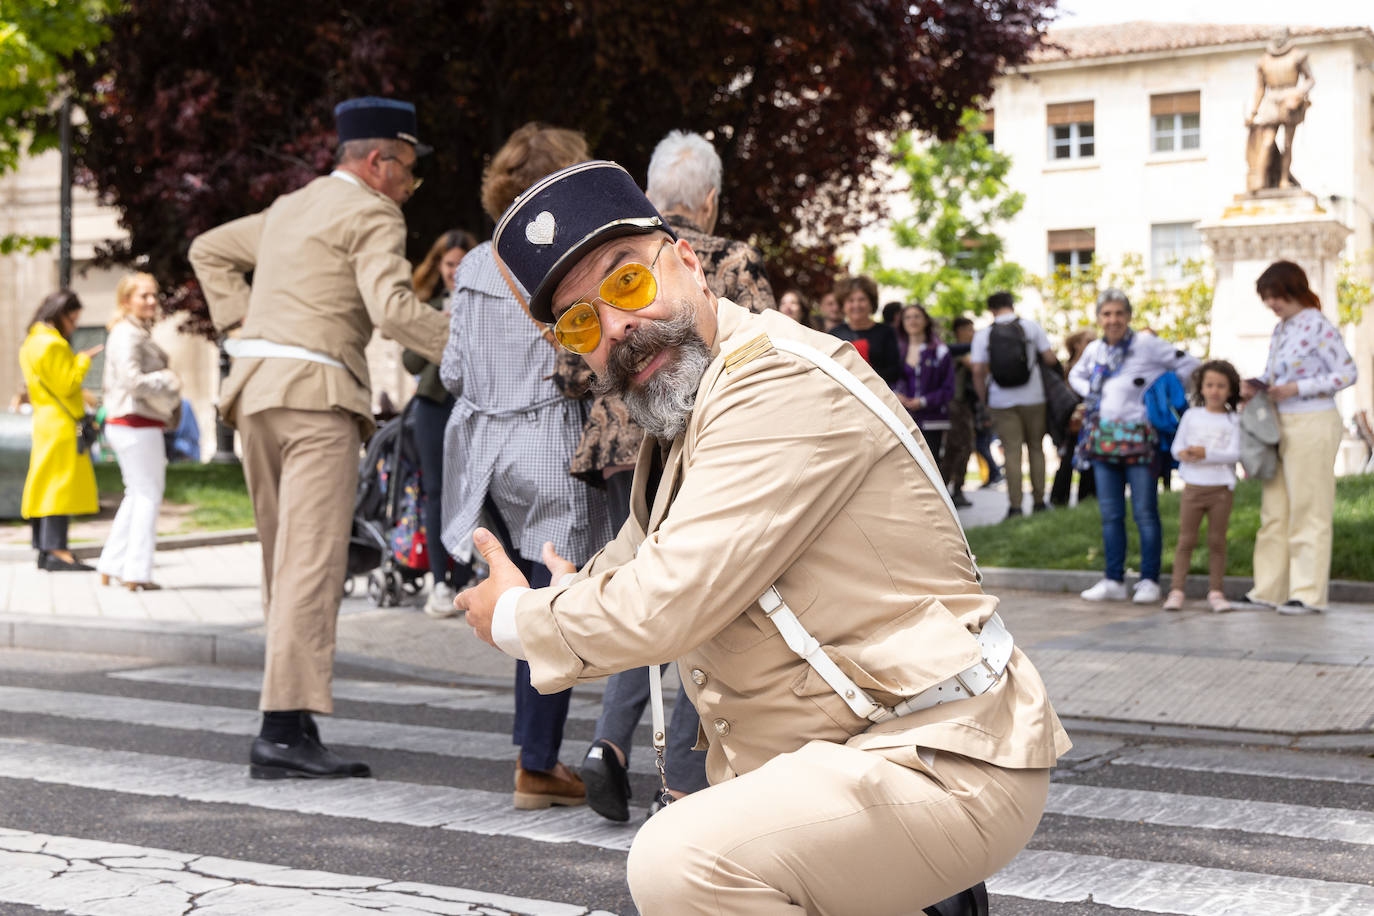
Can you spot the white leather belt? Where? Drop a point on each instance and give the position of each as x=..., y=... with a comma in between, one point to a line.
x=257, y=348
x=995, y=643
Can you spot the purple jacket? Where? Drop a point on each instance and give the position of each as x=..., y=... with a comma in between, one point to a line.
x=935, y=382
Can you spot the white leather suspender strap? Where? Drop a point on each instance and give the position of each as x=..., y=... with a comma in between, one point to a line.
x=994, y=644
x=870, y=400
x=806, y=646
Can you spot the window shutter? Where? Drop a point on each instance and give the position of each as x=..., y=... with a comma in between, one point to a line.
x=1072, y=239
x=1171, y=103
x=1069, y=113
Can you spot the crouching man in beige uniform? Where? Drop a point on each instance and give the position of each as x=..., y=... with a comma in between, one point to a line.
x=876, y=743
x=328, y=264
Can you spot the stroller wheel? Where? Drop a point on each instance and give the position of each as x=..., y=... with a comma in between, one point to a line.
x=376, y=590
x=394, y=590
x=348, y=587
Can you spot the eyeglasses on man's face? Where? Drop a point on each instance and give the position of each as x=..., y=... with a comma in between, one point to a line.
x=409, y=168
x=630, y=287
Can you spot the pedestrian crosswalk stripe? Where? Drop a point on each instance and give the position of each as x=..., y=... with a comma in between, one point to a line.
x=1201, y=811
x=1277, y=763
x=82, y=876
x=585, y=704
x=409, y=804
x=1164, y=887
x=426, y=739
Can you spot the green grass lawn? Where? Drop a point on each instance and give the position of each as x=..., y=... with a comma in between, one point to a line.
x=1072, y=538
x=216, y=493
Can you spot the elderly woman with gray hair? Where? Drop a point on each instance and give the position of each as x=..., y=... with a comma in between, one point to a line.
x=1117, y=441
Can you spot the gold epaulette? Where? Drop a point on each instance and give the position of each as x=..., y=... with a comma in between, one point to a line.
x=756, y=347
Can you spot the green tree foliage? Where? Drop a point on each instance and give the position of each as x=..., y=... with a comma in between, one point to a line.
x=960, y=193
x=36, y=37
x=1177, y=310
x=203, y=111
x=1354, y=290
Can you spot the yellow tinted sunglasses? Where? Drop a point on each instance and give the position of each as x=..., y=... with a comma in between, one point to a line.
x=630, y=287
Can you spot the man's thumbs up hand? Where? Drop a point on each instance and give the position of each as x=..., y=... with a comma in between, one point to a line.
x=480, y=601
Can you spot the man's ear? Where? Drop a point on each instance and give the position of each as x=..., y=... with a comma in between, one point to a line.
x=693, y=263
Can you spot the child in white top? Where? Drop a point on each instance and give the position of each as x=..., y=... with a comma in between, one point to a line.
x=1207, y=446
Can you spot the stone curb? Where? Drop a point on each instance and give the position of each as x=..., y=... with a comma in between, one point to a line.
x=1343, y=591
x=23, y=553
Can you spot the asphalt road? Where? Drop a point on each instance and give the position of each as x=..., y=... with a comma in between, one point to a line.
x=123, y=789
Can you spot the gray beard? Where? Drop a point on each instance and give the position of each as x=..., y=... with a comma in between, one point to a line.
x=663, y=404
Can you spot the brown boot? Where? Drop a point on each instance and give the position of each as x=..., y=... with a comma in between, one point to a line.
x=535, y=790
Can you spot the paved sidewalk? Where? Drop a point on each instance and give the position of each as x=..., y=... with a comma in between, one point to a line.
x=1255, y=675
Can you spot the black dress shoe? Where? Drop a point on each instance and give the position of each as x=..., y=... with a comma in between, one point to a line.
x=972, y=902
x=608, y=785
x=307, y=760
x=960, y=500
x=54, y=563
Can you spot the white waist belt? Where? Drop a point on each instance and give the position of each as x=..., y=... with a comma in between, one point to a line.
x=257, y=348
x=995, y=643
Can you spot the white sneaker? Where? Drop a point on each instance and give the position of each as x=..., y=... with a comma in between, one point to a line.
x=1146, y=592
x=440, y=601
x=1105, y=590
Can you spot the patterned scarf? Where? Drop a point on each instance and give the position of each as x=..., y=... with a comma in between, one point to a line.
x=1109, y=361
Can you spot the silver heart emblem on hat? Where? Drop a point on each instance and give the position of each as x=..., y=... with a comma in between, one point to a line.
x=540, y=230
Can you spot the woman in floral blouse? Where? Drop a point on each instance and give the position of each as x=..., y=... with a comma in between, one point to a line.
x=1307, y=365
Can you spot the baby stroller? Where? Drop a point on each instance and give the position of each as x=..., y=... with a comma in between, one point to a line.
x=388, y=540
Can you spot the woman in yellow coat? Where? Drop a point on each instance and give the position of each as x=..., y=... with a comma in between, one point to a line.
x=61, y=480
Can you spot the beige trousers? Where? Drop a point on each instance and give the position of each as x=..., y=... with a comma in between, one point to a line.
x=829, y=829
x=1017, y=427
x=1293, y=547
x=302, y=473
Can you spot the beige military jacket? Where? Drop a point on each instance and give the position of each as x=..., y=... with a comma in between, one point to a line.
x=783, y=476
x=328, y=264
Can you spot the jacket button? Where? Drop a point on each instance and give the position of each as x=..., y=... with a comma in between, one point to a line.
x=698, y=677
x=722, y=727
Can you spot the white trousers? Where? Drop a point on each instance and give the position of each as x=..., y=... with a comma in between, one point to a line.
x=128, y=553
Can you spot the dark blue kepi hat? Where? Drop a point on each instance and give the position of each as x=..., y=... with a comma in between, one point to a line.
x=371, y=118
x=564, y=215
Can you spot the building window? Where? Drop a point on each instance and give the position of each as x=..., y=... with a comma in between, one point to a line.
x=1071, y=248
x=1071, y=130
x=1170, y=245
x=988, y=127
x=1175, y=122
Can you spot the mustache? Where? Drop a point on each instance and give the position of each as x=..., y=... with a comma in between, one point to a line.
x=642, y=342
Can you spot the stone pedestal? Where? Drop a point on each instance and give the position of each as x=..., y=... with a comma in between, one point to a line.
x=1254, y=232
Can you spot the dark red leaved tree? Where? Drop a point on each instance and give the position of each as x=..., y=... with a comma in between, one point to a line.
x=200, y=111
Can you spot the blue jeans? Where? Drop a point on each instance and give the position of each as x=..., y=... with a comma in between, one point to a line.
x=1111, y=480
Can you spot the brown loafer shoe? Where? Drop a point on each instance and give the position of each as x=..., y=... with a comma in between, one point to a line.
x=142, y=586
x=535, y=790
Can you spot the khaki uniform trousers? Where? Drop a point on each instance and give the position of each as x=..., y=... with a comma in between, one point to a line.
x=302, y=472
x=1293, y=547
x=1016, y=426
x=829, y=829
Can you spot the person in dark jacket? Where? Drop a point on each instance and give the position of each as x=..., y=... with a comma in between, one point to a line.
x=875, y=342
x=959, y=440
x=926, y=385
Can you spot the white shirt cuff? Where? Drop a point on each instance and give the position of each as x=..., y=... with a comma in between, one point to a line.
x=503, y=631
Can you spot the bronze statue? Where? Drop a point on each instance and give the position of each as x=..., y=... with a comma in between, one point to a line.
x=1283, y=81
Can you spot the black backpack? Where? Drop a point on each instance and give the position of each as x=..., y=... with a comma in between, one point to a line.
x=1007, y=359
